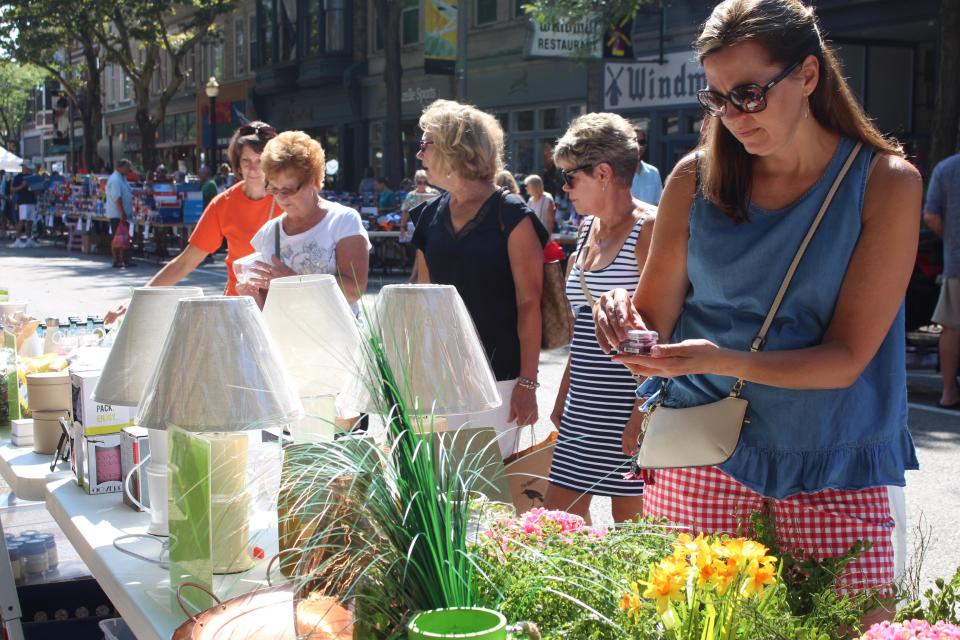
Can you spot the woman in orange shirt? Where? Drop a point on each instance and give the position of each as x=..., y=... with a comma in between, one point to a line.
x=236, y=214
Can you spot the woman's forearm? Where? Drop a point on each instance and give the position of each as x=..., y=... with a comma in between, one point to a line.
x=528, y=329
x=825, y=366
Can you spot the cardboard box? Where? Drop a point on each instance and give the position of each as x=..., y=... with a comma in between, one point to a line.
x=99, y=459
x=22, y=428
x=134, y=447
x=96, y=418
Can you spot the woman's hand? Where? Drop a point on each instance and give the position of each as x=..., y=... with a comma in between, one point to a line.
x=632, y=432
x=263, y=273
x=523, y=406
x=555, y=416
x=681, y=359
x=614, y=314
x=111, y=316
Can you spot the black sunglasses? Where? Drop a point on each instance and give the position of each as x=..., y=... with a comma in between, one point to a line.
x=568, y=175
x=257, y=129
x=422, y=147
x=748, y=98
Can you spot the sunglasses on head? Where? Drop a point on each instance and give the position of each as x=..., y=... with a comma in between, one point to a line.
x=257, y=129
x=747, y=98
x=568, y=175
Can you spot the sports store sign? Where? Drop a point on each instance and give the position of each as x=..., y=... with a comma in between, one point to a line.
x=641, y=85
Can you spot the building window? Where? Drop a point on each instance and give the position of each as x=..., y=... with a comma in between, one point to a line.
x=213, y=61
x=313, y=19
x=335, y=26
x=252, y=49
x=266, y=14
x=525, y=120
x=410, y=22
x=504, y=119
x=550, y=118
x=486, y=11
x=239, y=48
x=288, y=30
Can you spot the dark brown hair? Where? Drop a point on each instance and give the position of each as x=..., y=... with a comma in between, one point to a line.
x=255, y=135
x=788, y=30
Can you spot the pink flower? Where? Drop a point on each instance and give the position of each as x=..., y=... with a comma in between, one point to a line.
x=912, y=630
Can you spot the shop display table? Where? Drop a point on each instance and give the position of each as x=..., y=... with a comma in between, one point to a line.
x=27, y=472
x=139, y=590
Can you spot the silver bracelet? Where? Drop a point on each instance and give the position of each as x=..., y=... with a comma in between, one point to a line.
x=527, y=383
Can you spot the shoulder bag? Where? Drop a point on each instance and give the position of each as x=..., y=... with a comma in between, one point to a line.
x=556, y=317
x=708, y=434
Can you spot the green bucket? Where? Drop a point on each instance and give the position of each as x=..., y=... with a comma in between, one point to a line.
x=471, y=623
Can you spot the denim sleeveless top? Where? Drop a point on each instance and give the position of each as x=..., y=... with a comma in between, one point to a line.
x=796, y=441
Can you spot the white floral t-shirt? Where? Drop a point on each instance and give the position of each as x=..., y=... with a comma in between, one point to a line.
x=314, y=250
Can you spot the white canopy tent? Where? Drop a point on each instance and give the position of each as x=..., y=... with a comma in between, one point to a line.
x=9, y=161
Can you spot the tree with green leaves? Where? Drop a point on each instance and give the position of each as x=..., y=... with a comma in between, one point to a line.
x=137, y=34
x=388, y=14
x=57, y=36
x=609, y=11
x=16, y=85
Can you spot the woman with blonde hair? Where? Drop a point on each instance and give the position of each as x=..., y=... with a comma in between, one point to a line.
x=488, y=245
x=314, y=235
x=505, y=180
x=595, y=409
x=541, y=202
x=826, y=441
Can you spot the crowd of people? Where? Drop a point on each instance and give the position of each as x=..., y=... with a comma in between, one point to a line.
x=786, y=156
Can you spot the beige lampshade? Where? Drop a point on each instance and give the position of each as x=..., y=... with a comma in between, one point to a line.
x=311, y=323
x=219, y=371
x=138, y=343
x=434, y=352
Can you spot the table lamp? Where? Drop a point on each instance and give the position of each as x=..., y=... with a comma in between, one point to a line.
x=434, y=352
x=132, y=359
x=219, y=375
x=317, y=336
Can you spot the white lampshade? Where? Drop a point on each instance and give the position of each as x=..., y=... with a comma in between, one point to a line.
x=434, y=352
x=312, y=325
x=218, y=371
x=138, y=343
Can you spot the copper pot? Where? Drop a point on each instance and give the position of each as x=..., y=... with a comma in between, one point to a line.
x=267, y=614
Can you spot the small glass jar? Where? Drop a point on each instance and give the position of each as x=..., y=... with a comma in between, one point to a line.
x=34, y=558
x=53, y=557
x=14, y=549
x=639, y=342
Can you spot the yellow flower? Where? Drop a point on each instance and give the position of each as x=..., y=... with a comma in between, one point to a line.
x=758, y=576
x=667, y=581
x=630, y=601
x=724, y=572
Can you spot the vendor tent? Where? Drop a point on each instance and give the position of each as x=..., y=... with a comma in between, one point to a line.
x=9, y=161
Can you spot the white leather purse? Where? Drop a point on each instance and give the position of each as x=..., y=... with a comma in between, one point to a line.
x=708, y=434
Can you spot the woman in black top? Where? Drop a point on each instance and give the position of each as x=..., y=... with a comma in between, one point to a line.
x=489, y=246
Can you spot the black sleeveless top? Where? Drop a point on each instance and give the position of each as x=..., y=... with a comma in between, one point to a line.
x=476, y=262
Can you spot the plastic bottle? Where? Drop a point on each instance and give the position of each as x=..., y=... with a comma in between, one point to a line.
x=53, y=336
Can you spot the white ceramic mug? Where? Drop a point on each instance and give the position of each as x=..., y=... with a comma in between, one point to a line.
x=157, y=490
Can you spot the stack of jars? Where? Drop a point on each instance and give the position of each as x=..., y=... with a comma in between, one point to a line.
x=32, y=553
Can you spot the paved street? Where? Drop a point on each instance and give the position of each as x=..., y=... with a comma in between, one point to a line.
x=62, y=284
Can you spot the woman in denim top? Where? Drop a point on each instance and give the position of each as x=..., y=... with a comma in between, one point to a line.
x=827, y=430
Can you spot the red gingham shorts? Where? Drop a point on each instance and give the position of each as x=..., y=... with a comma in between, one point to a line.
x=823, y=524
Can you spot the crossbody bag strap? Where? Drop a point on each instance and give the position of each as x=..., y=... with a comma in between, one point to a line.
x=581, y=261
x=761, y=337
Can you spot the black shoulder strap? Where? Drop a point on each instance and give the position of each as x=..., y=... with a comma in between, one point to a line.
x=500, y=199
x=276, y=241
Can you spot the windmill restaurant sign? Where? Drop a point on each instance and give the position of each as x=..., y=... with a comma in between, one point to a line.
x=641, y=85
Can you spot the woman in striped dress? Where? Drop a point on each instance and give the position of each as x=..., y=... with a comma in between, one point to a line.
x=596, y=407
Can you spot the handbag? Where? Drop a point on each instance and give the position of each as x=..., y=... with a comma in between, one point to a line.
x=121, y=237
x=708, y=434
x=556, y=317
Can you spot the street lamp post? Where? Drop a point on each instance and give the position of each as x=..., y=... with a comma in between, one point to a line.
x=213, y=90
